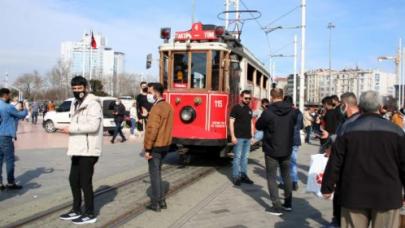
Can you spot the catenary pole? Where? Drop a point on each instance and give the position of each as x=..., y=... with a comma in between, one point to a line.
x=295, y=71
x=302, y=70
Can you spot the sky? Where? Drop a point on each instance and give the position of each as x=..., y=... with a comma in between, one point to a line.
x=31, y=31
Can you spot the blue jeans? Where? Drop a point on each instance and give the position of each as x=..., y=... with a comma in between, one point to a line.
x=133, y=125
x=7, y=151
x=240, y=157
x=259, y=135
x=293, y=165
x=294, y=173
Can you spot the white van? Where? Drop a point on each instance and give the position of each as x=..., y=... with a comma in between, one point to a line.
x=60, y=118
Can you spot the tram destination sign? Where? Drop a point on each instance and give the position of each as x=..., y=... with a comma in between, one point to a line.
x=196, y=33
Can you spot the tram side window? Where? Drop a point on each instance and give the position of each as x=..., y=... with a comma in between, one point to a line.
x=198, y=70
x=216, y=55
x=250, y=72
x=165, y=69
x=180, y=70
x=258, y=78
x=265, y=82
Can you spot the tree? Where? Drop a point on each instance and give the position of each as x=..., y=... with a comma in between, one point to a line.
x=31, y=84
x=128, y=84
x=97, y=88
x=58, y=79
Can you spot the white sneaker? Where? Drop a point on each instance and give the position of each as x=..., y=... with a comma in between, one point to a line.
x=85, y=219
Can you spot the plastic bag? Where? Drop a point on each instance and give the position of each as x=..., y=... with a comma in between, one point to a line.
x=315, y=173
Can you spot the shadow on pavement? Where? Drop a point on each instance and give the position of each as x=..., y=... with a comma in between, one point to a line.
x=25, y=180
x=302, y=213
x=105, y=200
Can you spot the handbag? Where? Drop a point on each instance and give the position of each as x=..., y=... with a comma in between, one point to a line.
x=315, y=173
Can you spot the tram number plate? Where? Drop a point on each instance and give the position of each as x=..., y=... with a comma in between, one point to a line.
x=218, y=104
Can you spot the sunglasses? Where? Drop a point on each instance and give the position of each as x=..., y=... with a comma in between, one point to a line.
x=247, y=98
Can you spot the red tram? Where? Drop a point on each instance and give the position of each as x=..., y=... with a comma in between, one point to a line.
x=203, y=71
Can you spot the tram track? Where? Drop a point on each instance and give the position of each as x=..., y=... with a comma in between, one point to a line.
x=126, y=199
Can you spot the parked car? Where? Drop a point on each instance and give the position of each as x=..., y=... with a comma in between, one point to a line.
x=127, y=101
x=60, y=118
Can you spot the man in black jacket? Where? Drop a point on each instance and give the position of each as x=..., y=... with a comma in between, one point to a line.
x=119, y=114
x=350, y=111
x=277, y=123
x=368, y=164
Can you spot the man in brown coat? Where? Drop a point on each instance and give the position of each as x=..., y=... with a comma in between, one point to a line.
x=158, y=137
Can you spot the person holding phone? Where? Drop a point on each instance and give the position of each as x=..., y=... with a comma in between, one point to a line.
x=84, y=148
x=9, y=117
x=157, y=141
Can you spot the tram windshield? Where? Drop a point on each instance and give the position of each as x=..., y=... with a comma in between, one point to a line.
x=198, y=70
x=180, y=70
x=192, y=70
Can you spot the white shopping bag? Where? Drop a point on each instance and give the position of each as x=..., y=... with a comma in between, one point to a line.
x=315, y=173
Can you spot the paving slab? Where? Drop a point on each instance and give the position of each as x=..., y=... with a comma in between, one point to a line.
x=215, y=202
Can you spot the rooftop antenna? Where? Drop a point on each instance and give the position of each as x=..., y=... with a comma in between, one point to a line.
x=235, y=26
x=228, y=4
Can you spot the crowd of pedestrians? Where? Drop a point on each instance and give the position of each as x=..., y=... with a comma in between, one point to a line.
x=363, y=140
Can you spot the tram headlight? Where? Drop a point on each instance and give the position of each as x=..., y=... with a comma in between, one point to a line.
x=187, y=114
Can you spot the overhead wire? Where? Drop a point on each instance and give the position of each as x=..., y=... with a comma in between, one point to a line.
x=261, y=28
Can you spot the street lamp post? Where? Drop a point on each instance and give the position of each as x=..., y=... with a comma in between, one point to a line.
x=302, y=70
x=295, y=71
x=398, y=69
x=330, y=27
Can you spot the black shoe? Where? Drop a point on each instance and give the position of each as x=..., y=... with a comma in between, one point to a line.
x=85, y=219
x=287, y=207
x=245, y=179
x=163, y=204
x=70, y=215
x=295, y=186
x=237, y=181
x=123, y=140
x=274, y=211
x=2, y=187
x=281, y=186
x=13, y=187
x=112, y=141
x=153, y=207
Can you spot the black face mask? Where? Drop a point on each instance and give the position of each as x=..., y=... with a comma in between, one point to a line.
x=79, y=95
x=145, y=90
x=8, y=100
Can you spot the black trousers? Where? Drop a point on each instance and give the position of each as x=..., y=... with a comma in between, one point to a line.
x=336, y=205
x=81, y=179
x=271, y=170
x=118, y=130
x=155, y=168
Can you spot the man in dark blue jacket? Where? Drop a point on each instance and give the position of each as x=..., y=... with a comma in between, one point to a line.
x=277, y=123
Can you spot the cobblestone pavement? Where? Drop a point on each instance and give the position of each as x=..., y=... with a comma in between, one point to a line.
x=215, y=202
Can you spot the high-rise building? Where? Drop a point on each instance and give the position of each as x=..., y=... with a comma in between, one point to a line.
x=101, y=63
